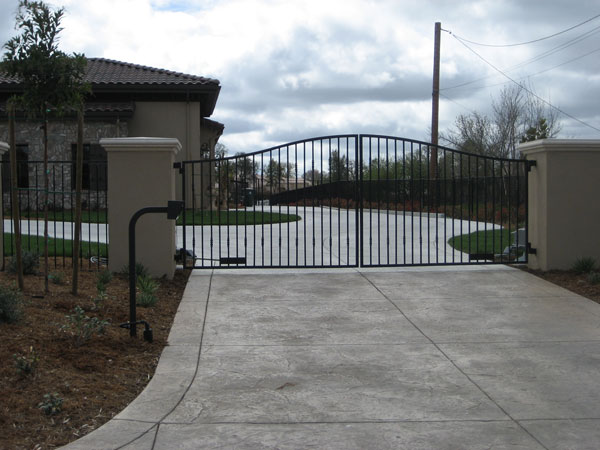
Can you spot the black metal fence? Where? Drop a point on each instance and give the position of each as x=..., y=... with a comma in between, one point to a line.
x=350, y=200
x=61, y=205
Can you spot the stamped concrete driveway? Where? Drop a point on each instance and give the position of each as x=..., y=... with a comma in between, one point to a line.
x=420, y=358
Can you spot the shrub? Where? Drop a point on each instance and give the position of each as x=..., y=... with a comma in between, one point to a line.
x=57, y=277
x=26, y=364
x=31, y=261
x=593, y=277
x=104, y=277
x=584, y=265
x=99, y=299
x=147, y=291
x=140, y=270
x=11, y=305
x=52, y=404
x=82, y=327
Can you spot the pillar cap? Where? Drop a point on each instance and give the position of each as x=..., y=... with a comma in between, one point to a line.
x=560, y=145
x=141, y=144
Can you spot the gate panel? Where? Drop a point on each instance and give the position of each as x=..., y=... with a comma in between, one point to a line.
x=292, y=205
x=349, y=200
x=417, y=199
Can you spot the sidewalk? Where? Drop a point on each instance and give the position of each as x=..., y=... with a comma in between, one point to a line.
x=431, y=358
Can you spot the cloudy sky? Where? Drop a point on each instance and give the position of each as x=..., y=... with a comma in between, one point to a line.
x=293, y=69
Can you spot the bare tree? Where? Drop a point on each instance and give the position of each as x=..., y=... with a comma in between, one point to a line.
x=516, y=110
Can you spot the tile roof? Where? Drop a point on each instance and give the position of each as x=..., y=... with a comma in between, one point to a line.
x=101, y=72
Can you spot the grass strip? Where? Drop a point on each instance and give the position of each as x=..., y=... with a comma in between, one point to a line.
x=56, y=247
x=490, y=241
x=235, y=218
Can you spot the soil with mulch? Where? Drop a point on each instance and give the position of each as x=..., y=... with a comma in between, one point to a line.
x=574, y=282
x=95, y=379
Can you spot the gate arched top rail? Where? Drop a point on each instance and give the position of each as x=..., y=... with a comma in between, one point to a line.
x=440, y=147
x=359, y=138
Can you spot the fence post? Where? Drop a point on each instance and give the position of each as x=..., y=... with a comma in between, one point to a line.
x=3, y=149
x=564, y=211
x=141, y=175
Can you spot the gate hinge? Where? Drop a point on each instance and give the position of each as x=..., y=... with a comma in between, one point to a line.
x=531, y=250
x=530, y=164
x=178, y=166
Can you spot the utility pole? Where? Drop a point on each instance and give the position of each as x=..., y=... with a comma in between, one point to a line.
x=435, y=102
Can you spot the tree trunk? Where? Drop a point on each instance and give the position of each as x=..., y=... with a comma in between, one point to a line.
x=14, y=196
x=78, y=188
x=46, y=198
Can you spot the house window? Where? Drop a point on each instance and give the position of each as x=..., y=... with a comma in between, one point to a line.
x=22, y=168
x=94, y=167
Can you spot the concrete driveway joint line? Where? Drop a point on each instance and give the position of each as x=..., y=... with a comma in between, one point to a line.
x=415, y=358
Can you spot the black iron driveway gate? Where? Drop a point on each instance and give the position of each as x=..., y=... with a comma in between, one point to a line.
x=350, y=201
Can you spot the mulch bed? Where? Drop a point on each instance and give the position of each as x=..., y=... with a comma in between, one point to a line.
x=96, y=379
x=572, y=281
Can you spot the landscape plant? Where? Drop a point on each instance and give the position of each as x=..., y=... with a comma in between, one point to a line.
x=11, y=305
x=83, y=327
x=52, y=404
x=26, y=364
x=30, y=262
x=584, y=265
x=52, y=81
x=147, y=291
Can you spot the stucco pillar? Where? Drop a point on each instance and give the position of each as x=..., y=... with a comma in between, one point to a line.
x=141, y=174
x=3, y=149
x=564, y=203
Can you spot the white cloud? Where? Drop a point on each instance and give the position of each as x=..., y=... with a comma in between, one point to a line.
x=291, y=69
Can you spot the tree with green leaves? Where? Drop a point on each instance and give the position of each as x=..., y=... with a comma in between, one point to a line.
x=52, y=81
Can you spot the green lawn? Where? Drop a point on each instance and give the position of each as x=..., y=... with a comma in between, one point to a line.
x=64, y=216
x=235, y=218
x=492, y=241
x=56, y=247
x=196, y=217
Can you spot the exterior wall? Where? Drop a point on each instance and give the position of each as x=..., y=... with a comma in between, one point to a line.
x=564, y=210
x=61, y=135
x=181, y=121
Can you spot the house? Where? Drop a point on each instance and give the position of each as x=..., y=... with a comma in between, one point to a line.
x=127, y=100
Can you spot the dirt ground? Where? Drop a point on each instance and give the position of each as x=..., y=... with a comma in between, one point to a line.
x=95, y=379
x=98, y=378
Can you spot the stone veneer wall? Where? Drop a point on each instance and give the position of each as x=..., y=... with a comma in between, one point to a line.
x=61, y=135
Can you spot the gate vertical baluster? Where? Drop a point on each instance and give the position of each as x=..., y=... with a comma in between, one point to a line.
x=508, y=207
x=395, y=201
x=314, y=249
x=184, y=216
x=485, y=197
x=331, y=206
x=262, y=238
x=470, y=194
x=405, y=185
x=476, y=194
x=387, y=191
x=358, y=150
x=287, y=162
x=421, y=201
x=339, y=196
x=370, y=182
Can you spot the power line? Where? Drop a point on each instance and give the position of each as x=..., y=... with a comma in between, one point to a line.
x=526, y=89
x=521, y=78
x=539, y=57
x=528, y=42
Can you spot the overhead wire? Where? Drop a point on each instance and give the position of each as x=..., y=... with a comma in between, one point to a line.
x=527, y=42
x=525, y=88
x=552, y=51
